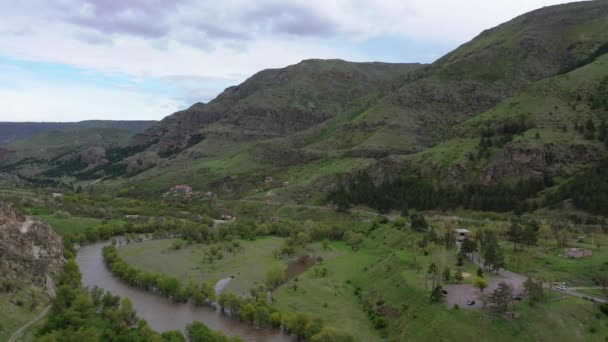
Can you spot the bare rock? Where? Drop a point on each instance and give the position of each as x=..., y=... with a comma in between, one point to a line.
x=28, y=245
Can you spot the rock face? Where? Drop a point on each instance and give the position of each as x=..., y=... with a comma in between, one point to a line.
x=28, y=245
x=548, y=160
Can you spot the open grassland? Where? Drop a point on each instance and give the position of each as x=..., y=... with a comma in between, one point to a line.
x=248, y=266
x=331, y=298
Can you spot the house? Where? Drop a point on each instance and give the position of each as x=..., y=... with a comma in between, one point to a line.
x=462, y=234
x=577, y=253
x=181, y=189
x=285, y=184
x=268, y=180
x=56, y=194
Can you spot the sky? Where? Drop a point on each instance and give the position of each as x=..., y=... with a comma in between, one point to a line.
x=71, y=60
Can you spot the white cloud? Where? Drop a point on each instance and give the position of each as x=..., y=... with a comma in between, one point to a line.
x=219, y=40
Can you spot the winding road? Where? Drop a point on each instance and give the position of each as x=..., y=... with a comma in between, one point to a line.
x=29, y=323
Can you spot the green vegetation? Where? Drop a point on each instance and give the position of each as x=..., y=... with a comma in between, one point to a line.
x=18, y=308
x=248, y=263
x=95, y=315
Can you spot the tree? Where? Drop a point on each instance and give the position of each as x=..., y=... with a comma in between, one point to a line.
x=127, y=313
x=353, y=239
x=437, y=294
x=480, y=283
x=418, y=222
x=484, y=299
x=514, y=234
x=468, y=247
x=562, y=238
x=502, y=296
x=458, y=276
x=329, y=334
x=447, y=274
x=177, y=244
x=248, y=312
x=530, y=233
x=480, y=272
x=534, y=289
x=298, y=324
x=325, y=244
x=275, y=276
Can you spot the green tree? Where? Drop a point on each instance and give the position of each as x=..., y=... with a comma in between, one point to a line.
x=329, y=334
x=514, y=234
x=353, y=239
x=275, y=276
x=447, y=274
x=480, y=283
x=502, y=296
x=534, y=289
x=437, y=293
x=530, y=233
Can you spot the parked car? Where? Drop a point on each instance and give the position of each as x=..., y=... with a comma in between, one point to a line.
x=470, y=302
x=560, y=288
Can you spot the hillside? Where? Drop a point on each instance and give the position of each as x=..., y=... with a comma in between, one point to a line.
x=11, y=131
x=505, y=107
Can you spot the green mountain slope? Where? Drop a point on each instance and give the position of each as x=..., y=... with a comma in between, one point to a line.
x=516, y=102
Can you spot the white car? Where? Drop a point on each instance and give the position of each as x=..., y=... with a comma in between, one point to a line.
x=560, y=287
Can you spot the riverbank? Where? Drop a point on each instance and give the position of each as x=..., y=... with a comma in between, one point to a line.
x=246, y=265
x=161, y=313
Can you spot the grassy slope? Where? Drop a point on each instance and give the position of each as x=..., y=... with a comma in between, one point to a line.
x=248, y=266
x=12, y=316
x=550, y=105
x=331, y=298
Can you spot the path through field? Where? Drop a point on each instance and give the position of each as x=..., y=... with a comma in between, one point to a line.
x=29, y=323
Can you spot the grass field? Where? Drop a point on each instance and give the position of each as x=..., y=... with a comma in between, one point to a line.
x=13, y=316
x=545, y=261
x=71, y=224
x=248, y=267
x=331, y=298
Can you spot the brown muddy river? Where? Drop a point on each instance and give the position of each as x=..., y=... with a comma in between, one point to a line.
x=160, y=313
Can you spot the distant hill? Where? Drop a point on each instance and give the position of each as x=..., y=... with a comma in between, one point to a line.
x=524, y=103
x=11, y=131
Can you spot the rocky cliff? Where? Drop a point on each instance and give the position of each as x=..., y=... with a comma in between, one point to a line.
x=29, y=246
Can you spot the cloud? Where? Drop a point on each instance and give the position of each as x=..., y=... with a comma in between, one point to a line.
x=141, y=18
x=289, y=18
x=195, y=48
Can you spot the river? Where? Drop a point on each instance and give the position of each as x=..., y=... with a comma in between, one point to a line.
x=161, y=313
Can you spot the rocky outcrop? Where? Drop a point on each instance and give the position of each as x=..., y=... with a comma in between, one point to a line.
x=538, y=161
x=93, y=156
x=30, y=246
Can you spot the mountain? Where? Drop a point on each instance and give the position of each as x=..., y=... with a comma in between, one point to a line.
x=524, y=100
x=11, y=131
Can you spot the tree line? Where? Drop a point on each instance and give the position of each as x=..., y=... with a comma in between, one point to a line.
x=255, y=310
x=81, y=314
x=413, y=192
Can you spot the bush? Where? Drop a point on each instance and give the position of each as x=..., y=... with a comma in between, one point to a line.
x=380, y=323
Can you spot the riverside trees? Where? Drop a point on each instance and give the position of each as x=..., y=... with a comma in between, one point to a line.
x=94, y=315
x=159, y=283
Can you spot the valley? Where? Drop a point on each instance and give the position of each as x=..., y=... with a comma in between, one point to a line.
x=327, y=201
